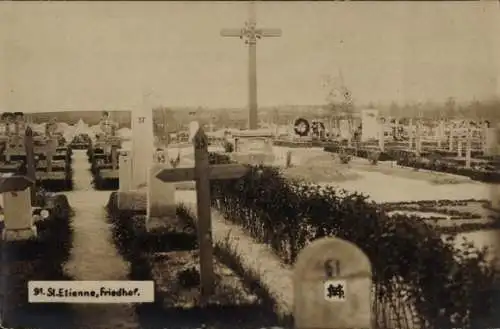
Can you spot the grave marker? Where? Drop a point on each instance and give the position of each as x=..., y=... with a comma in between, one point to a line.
x=452, y=137
x=332, y=286
x=202, y=173
x=50, y=149
x=410, y=135
x=440, y=133
x=369, y=124
x=125, y=171
x=489, y=139
x=30, y=162
x=418, y=138
x=250, y=33
x=142, y=144
x=17, y=214
x=468, y=146
x=381, y=136
x=160, y=196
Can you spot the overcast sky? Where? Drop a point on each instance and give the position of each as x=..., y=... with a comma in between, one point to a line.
x=106, y=55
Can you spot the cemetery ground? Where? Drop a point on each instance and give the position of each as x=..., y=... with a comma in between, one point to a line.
x=102, y=248
x=452, y=203
x=465, y=204
x=254, y=276
x=252, y=228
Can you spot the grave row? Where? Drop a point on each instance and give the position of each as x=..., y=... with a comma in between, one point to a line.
x=332, y=276
x=27, y=208
x=103, y=155
x=52, y=156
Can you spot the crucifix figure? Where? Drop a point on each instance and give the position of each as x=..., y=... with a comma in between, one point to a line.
x=250, y=33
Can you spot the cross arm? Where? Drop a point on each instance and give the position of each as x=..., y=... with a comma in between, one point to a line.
x=226, y=171
x=269, y=32
x=14, y=183
x=231, y=33
x=176, y=174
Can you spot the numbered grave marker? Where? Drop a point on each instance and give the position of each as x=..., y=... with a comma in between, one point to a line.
x=142, y=145
x=332, y=286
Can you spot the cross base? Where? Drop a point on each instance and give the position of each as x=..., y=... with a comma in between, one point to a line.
x=19, y=234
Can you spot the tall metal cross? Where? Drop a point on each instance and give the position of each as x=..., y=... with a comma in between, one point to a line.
x=250, y=33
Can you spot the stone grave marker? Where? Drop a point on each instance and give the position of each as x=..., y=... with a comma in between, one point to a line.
x=440, y=133
x=125, y=171
x=142, y=145
x=411, y=135
x=202, y=173
x=381, y=134
x=451, y=137
x=160, y=196
x=18, y=218
x=418, y=138
x=332, y=286
x=489, y=139
x=468, y=146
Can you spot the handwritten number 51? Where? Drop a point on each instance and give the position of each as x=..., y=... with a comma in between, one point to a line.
x=332, y=268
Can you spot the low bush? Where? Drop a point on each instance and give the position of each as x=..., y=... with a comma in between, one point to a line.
x=344, y=158
x=488, y=174
x=228, y=146
x=362, y=152
x=423, y=280
x=374, y=157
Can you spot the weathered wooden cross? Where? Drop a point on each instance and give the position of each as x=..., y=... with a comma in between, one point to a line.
x=202, y=173
x=250, y=33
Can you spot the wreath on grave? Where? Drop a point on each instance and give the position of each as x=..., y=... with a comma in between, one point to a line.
x=301, y=127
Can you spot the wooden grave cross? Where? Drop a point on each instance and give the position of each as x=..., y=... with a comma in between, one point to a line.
x=202, y=173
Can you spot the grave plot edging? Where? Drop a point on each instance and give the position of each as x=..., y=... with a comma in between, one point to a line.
x=255, y=261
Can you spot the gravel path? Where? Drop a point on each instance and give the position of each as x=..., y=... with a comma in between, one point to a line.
x=94, y=256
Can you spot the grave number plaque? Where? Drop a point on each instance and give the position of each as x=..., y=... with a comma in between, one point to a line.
x=335, y=290
x=332, y=286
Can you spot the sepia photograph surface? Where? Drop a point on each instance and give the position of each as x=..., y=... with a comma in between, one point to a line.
x=262, y=164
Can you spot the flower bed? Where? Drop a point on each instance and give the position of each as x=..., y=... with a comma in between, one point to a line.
x=424, y=281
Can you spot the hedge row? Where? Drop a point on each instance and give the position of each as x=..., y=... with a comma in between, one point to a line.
x=408, y=159
x=478, y=174
x=359, y=152
x=300, y=144
x=441, y=286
